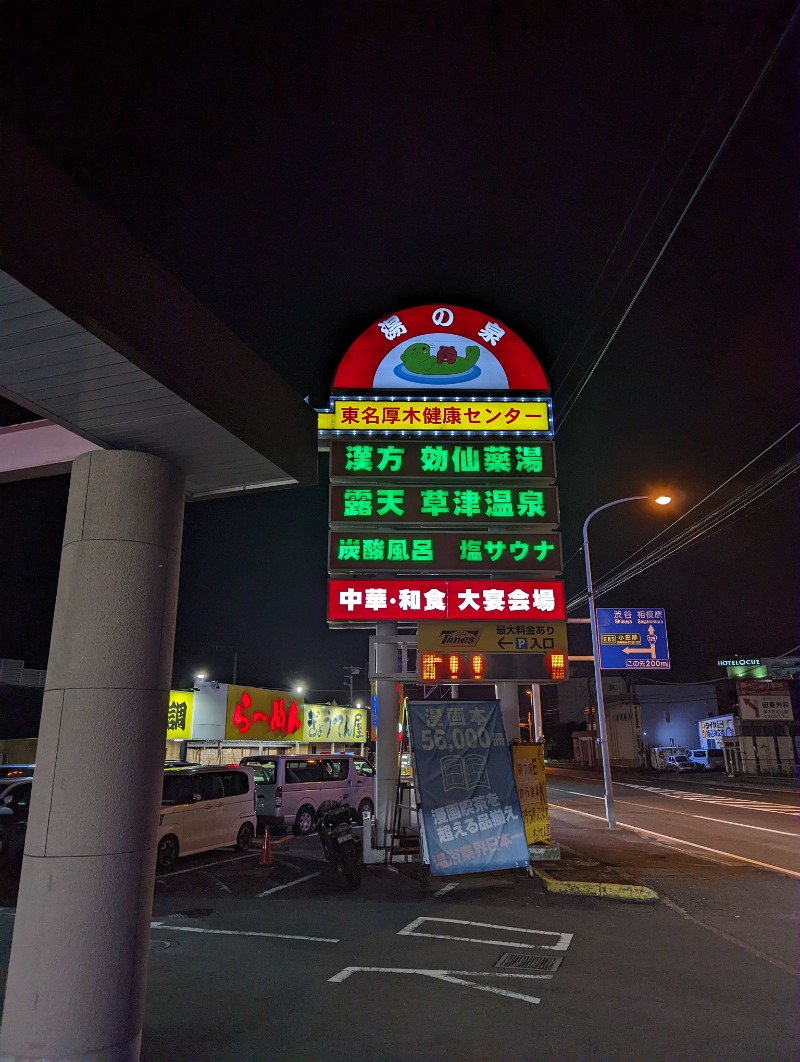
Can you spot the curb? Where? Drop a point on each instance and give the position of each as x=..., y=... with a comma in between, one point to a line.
x=605, y=889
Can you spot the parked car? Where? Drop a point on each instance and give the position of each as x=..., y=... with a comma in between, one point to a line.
x=15, y=802
x=681, y=764
x=290, y=789
x=708, y=759
x=204, y=808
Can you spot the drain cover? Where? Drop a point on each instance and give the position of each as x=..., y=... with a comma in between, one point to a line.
x=515, y=961
x=192, y=912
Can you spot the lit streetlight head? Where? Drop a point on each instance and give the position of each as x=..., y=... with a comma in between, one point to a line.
x=662, y=499
x=298, y=689
x=200, y=676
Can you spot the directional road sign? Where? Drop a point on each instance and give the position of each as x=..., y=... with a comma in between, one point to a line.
x=633, y=639
x=464, y=636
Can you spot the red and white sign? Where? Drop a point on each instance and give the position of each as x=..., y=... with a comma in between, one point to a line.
x=764, y=700
x=439, y=349
x=374, y=600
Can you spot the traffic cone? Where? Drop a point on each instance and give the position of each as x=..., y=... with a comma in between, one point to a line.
x=265, y=859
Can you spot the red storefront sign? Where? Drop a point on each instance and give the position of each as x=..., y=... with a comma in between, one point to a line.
x=373, y=600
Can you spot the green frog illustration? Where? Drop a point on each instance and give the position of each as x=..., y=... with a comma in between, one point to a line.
x=418, y=359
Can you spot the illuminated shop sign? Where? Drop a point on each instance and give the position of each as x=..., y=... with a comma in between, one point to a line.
x=441, y=460
x=500, y=503
x=505, y=637
x=179, y=715
x=374, y=600
x=263, y=715
x=423, y=416
x=476, y=668
x=439, y=349
x=331, y=722
x=446, y=551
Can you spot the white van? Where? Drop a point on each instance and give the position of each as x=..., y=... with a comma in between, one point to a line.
x=708, y=759
x=289, y=789
x=204, y=808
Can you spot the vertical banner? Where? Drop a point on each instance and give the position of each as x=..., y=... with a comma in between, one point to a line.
x=532, y=791
x=465, y=784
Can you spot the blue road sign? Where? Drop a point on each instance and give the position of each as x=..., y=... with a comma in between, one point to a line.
x=632, y=639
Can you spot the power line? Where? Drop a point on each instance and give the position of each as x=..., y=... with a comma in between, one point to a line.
x=702, y=501
x=571, y=402
x=706, y=525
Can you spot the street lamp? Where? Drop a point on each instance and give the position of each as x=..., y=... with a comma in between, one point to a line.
x=662, y=499
x=200, y=676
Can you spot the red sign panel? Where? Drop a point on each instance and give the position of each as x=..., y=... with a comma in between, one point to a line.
x=438, y=349
x=373, y=600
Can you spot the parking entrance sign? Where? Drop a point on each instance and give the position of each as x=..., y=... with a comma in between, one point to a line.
x=632, y=639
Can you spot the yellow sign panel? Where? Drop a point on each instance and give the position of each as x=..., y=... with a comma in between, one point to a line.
x=275, y=715
x=532, y=790
x=330, y=722
x=263, y=715
x=179, y=715
x=438, y=415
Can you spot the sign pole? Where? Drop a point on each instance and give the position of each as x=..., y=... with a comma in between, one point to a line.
x=536, y=711
x=598, y=679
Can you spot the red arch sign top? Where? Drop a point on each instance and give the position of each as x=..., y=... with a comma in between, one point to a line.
x=439, y=349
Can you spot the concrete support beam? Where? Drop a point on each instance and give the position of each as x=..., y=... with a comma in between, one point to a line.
x=76, y=981
x=536, y=712
x=506, y=693
x=386, y=756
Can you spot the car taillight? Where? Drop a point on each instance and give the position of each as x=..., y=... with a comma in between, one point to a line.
x=278, y=796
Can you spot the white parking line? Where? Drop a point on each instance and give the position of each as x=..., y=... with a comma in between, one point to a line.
x=561, y=944
x=452, y=977
x=446, y=888
x=288, y=885
x=240, y=933
x=205, y=866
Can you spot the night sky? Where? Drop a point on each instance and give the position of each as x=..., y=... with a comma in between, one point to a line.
x=306, y=169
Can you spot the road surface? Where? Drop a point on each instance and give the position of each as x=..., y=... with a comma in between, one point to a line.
x=716, y=819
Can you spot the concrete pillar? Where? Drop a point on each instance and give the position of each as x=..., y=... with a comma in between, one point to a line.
x=536, y=712
x=76, y=980
x=506, y=693
x=386, y=753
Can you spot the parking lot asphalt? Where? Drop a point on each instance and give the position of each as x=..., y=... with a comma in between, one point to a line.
x=254, y=963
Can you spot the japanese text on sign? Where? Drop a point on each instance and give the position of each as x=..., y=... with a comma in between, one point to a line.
x=397, y=459
x=445, y=551
x=443, y=505
x=463, y=774
x=388, y=416
x=450, y=599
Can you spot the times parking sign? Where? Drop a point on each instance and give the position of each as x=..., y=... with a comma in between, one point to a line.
x=632, y=639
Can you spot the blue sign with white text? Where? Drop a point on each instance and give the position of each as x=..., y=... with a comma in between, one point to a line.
x=632, y=639
x=465, y=783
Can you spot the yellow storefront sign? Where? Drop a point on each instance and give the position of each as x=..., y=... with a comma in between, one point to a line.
x=330, y=722
x=438, y=415
x=532, y=789
x=263, y=715
x=179, y=715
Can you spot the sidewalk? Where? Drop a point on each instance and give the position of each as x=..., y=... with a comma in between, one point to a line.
x=596, y=861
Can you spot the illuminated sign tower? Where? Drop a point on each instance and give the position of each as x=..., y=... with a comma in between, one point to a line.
x=443, y=503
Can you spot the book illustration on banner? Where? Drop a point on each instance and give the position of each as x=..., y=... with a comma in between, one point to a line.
x=468, y=773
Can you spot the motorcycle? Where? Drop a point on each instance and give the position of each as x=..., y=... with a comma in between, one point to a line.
x=334, y=824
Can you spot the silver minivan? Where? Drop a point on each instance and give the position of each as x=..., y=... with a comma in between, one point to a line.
x=290, y=788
